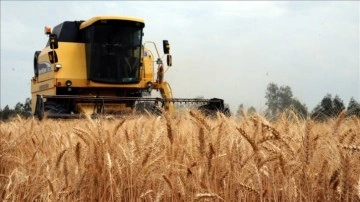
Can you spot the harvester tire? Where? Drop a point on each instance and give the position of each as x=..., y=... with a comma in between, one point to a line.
x=39, y=108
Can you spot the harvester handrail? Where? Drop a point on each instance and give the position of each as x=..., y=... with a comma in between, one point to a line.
x=157, y=51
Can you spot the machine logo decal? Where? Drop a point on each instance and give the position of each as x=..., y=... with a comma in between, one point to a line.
x=44, y=67
x=44, y=86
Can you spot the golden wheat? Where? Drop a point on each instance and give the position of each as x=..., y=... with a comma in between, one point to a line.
x=185, y=157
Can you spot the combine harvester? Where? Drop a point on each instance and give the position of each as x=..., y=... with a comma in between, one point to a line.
x=101, y=66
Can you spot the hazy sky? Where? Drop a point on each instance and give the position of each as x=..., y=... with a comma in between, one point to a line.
x=230, y=50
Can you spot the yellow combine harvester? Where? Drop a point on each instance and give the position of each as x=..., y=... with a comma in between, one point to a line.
x=101, y=66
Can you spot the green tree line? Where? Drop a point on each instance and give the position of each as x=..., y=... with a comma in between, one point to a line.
x=22, y=109
x=280, y=99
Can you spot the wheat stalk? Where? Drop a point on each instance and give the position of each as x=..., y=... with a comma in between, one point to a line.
x=275, y=132
x=51, y=186
x=167, y=180
x=78, y=152
x=250, y=189
x=210, y=157
x=169, y=128
x=131, y=159
x=109, y=167
x=358, y=189
x=80, y=133
x=345, y=134
x=199, y=196
x=143, y=195
x=246, y=136
x=338, y=122
x=200, y=120
x=58, y=159
x=349, y=147
x=202, y=143
x=346, y=181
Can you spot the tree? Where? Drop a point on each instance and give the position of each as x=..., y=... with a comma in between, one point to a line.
x=280, y=99
x=328, y=108
x=284, y=97
x=338, y=105
x=240, y=110
x=300, y=109
x=271, y=96
x=353, y=108
x=27, y=105
x=6, y=113
x=251, y=111
x=21, y=109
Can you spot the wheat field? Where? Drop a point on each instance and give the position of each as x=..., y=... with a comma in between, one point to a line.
x=184, y=157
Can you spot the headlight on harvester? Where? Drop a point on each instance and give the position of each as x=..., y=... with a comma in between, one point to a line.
x=68, y=83
x=57, y=67
x=149, y=86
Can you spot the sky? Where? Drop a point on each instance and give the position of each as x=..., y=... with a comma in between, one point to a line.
x=225, y=49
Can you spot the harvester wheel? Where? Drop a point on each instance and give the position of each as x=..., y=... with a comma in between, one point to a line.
x=147, y=107
x=39, y=114
x=39, y=108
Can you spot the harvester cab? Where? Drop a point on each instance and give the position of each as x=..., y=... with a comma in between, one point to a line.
x=102, y=66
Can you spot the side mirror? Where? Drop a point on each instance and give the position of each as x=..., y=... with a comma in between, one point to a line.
x=53, y=41
x=52, y=57
x=166, y=46
x=169, y=60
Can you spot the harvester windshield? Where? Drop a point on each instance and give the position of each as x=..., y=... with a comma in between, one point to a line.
x=113, y=51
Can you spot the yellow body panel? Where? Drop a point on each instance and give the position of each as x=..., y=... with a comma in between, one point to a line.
x=71, y=66
x=148, y=66
x=73, y=61
x=46, y=76
x=42, y=86
x=113, y=17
